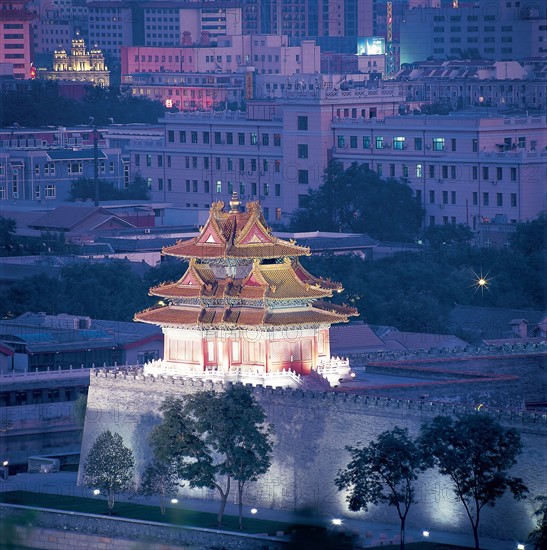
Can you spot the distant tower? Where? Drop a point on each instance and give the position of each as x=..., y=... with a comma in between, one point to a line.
x=390, y=51
x=245, y=308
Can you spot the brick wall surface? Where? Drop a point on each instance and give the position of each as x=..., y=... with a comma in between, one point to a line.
x=311, y=432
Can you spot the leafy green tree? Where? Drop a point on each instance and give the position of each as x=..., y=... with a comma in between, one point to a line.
x=384, y=471
x=84, y=188
x=159, y=479
x=359, y=201
x=213, y=439
x=109, y=466
x=538, y=537
x=530, y=237
x=476, y=453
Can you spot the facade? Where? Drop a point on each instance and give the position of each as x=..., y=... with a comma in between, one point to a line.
x=245, y=307
x=16, y=37
x=488, y=30
x=463, y=168
x=274, y=152
x=37, y=165
x=57, y=23
x=80, y=65
x=503, y=84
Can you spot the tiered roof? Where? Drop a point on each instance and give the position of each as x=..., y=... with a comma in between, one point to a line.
x=267, y=294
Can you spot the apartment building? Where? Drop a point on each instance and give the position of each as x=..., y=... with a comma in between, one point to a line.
x=488, y=29
x=464, y=168
x=16, y=36
x=274, y=152
x=41, y=164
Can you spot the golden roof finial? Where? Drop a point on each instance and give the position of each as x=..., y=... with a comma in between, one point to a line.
x=234, y=203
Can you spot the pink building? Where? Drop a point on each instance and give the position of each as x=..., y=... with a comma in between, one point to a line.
x=16, y=36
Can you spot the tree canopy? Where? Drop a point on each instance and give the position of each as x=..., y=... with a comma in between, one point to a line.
x=384, y=471
x=213, y=439
x=357, y=200
x=476, y=453
x=159, y=479
x=109, y=466
x=84, y=188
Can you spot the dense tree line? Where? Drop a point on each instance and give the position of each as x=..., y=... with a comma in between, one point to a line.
x=84, y=188
x=42, y=105
x=412, y=291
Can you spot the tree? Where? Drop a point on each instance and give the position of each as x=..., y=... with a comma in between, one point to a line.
x=359, y=201
x=530, y=237
x=8, y=241
x=109, y=466
x=384, y=471
x=159, y=478
x=538, y=537
x=84, y=189
x=476, y=453
x=448, y=234
x=213, y=439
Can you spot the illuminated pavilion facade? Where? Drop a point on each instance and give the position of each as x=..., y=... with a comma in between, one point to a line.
x=246, y=309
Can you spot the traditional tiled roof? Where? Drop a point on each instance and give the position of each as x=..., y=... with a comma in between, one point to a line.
x=235, y=234
x=263, y=282
x=240, y=317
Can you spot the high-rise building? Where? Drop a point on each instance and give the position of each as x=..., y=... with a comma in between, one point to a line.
x=16, y=37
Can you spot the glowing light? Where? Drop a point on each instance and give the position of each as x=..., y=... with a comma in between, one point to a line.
x=174, y=500
x=96, y=492
x=169, y=103
x=254, y=511
x=480, y=406
x=337, y=522
x=521, y=547
x=5, y=463
x=481, y=282
x=425, y=533
x=352, y=375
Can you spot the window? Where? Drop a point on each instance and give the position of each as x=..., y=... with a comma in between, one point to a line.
x=453, y=144
x=418, y=170
x=194, y=162
x=445, y=197
x=475, y=143
x=277, y=189
x=452, y=172
x=475, y=198
x=392, y=170
x=206, y=137
x=302, y=123
x=475, y=172
x=137, y=162
x=182, y=136
x=366, y=142
x=399, y=143
x=254, y=138
x=266, y=139
x=187, y=187
x=499, y=173
x=194, y=186
x=499, y=199
x=341, y=141
x=217, y=138
x=206, y=163
x=229, y=138
x=302, y=151
x=206, y=186
x=217, y=163
x=160, y=161
x=418, y=144
x=405, y=170
x=194, y=137
x=277, y=140
x=438, y=144
x=303, y=176
x=50, y=191
x=432, y=197
x=513, y=200
x=431, y=169
x=219, y=186
x=148, y=160
x=485, y=199
x=160, y=184
x=444, y=171
x=379, y=142
x=522, y=142
x=513, y=174
x=353, y=142
x=169, y=184
x=485, y=172
x=230, y=188
x=452, y=197
x=170, y=136
x=379, y=168
x=266, y=189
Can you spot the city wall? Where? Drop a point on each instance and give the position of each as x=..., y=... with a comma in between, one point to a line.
x=311, y=432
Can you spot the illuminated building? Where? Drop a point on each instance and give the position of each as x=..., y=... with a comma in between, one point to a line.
x=245, y=308
x=80, y=65
x=16, y=37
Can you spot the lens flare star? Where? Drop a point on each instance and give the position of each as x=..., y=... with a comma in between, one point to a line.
x=481, y=282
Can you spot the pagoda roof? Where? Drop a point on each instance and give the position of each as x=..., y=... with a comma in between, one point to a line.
x=280, y=281
x=244, y=317
x=235, y=234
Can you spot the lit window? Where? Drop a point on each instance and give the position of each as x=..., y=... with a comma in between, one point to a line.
x=399, y=143
x=438, y=144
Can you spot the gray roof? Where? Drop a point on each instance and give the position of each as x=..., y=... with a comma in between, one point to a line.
x=475, y=323
x=75, y=154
